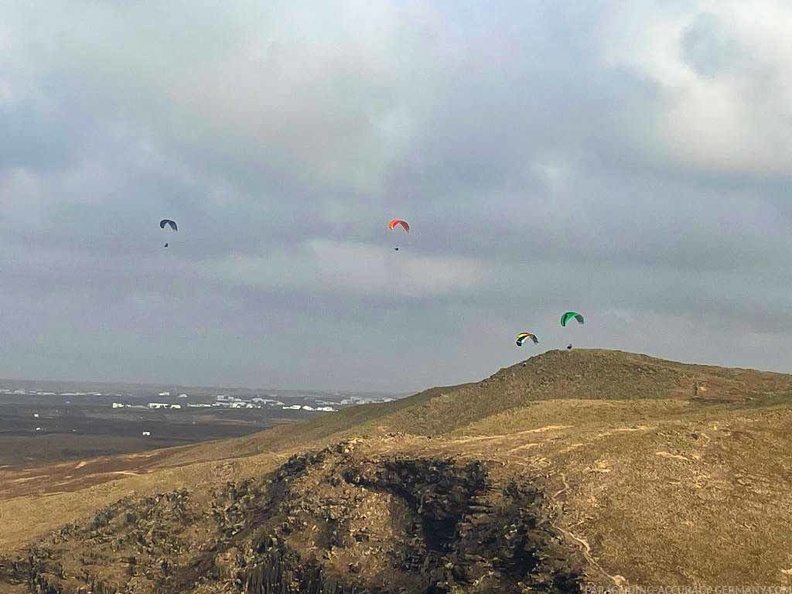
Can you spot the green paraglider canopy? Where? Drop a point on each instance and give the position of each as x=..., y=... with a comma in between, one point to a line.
x=570, y=315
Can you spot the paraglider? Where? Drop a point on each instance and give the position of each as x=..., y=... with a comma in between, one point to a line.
x=398, y=223
x=569, y=316
x=168, y=223
x=523, y=335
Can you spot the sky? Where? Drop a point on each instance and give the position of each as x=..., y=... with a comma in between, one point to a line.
x=627, y=160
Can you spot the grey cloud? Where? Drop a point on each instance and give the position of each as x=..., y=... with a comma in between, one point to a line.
x=496, y=130
x=707, y=47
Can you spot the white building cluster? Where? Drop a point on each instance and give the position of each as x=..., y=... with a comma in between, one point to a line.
x=227, y=401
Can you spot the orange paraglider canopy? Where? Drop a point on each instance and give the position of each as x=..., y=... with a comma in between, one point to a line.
x=394, y=222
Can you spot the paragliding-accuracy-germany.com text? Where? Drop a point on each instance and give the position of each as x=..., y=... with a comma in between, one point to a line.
x=595, y=589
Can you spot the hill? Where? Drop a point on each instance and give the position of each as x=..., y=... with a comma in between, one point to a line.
x=572, y=467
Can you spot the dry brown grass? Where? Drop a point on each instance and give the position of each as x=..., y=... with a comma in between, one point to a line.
x=656, y=487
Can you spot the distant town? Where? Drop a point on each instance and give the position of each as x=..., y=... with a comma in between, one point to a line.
x=88, y=419
x=286, y=400
x=228, y=401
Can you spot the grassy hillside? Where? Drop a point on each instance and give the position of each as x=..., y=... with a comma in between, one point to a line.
x=637, y=470
x=561, y=375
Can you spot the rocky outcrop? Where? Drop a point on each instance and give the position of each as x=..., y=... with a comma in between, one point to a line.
x=330, y=522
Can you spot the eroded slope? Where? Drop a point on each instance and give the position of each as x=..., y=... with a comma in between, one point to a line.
x=326, y=522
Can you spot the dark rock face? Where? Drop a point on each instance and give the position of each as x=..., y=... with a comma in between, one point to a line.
x=329, y=522
x=438, y=492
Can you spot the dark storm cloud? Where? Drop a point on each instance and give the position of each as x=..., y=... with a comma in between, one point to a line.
x=534, y=148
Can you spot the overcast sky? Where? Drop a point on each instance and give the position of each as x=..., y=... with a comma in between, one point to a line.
x=628, y=160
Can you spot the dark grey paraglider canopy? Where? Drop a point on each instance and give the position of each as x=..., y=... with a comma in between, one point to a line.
x=169, y=223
